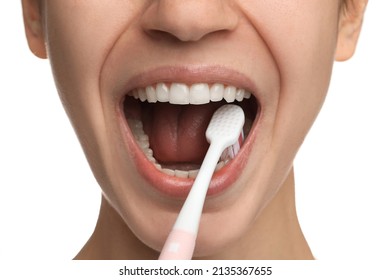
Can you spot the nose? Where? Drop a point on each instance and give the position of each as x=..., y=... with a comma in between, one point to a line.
x=189, y=20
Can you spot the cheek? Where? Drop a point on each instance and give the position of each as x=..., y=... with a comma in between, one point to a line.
x=79, y=38
x=301, y=36
x=79, y=35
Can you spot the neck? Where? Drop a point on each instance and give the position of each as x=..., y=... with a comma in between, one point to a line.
x=276, y=234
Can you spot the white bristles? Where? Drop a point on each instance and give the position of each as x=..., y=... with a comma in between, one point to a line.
x=232, y=151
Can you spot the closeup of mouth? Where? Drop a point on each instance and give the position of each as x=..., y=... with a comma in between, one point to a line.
x=165, y=124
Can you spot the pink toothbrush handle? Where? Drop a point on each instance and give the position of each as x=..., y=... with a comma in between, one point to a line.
x=180, y=245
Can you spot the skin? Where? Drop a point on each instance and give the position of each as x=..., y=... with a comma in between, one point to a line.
x=287, y=49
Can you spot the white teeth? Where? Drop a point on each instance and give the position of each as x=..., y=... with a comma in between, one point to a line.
x=179, y=94
x=151, y=94
x=149, y=152
x=144, y=145
x=181, y=174
x=169, y=172
x=143, y=142
x=193, y=173
x=199, y=93
x=142, y=94
x=162, y=92
x=216, y=92
x=240, y=95
x=230, y=94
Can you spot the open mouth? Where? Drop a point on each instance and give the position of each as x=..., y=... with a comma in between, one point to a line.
x=168, y=122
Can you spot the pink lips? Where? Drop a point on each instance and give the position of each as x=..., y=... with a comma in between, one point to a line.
x=175, y=186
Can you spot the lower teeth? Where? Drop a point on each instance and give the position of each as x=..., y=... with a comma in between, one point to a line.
x=142, y=140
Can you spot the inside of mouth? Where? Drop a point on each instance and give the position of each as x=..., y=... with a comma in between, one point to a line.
x=172, y=136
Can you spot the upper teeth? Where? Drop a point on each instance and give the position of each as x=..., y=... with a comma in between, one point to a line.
x=199, y=93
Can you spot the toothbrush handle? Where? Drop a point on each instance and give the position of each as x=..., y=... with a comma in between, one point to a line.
x=181, y=240
x=179, y=245
x=190, y=213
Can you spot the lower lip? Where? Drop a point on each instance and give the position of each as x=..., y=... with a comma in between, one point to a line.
x=179, y=187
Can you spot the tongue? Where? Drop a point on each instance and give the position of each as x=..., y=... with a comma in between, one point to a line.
x=177, y=133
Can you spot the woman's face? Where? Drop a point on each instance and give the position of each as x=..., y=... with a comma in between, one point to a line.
x=105, y=53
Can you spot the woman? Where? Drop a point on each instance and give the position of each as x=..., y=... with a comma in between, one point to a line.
x=109, y=57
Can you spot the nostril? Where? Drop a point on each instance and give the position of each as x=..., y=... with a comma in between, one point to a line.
x=183, y=36
x=164, y=35
x=188, y=20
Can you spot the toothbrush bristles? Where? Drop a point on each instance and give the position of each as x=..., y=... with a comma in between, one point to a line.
x=232, y=151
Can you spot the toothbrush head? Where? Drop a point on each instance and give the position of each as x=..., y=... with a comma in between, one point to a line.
x=226, y=125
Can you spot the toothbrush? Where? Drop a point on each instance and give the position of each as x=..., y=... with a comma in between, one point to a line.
x=223, y=133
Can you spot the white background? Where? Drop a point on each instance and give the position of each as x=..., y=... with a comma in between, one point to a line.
x=49, y=199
